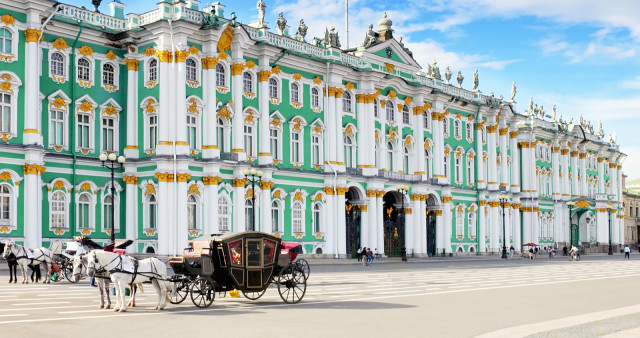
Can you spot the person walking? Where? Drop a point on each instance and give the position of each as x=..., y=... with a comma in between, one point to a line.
x=359, y=254
x=363, y=255
x=530, y=253
x=369, y=257
x=550, y=251
x=512, y=251
x=627, y=251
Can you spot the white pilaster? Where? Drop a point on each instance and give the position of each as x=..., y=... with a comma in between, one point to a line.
x=210, y=148
x=31, y=132
x=265, y=155
x=238, y=118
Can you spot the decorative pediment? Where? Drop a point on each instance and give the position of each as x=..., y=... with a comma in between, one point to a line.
x=390, y=51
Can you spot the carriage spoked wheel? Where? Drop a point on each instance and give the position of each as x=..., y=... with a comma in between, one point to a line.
x=292, y=283
x=304, y=265
x=67, y=269
x=202, y=292
x=181, y=291
x=253, y=295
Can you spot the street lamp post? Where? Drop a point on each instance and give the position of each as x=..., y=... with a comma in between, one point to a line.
x=403, y=191
x=611, y=208
x=251, y=175
x=112, y=163
x=503, y=202
x=571, y=205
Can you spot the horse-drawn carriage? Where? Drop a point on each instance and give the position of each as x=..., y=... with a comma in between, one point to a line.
x=248, y=262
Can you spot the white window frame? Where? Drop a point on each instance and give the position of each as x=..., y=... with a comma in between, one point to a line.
x=458, y=169
x=86, y=83
x=106, y=191
x=90, y=114
x=293, y=123
x=147, y=211
x=116, y=125
x=252, y=86
x=13, y=30
x=388, y=105
x=13, y=92
x=390, y=155
x=460, y=216
x=471, y=223
x=104, y=128
x=349, y=151
x=295, y=99
x=301, y=219
x=426, y=121
x=447, y=164
x=248, y=209
x=197, y=204
x=317, y=131
x=278, y=82
x=470, y=162
x=350, y=104
x=469, y=131
x=224, y=217
x=149, y=108
x=223, y=133
x=222, y=88
x=64, y=213
x=116, y=76
x=250, y=147
x=65, y=65
x=92, y=208
x=277, y=228
x=149, y=81
x=317, y=226
x=14, y=193
x=195, y=81
x=315, y=106
x=428, y=161
x=406, y=160
x=376, y=108
x=457, y=129
x=65, y=123
x=406, y=113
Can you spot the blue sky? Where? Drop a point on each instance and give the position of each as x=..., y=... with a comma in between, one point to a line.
x=583, y=55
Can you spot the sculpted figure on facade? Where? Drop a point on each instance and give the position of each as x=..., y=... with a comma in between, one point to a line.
x=600, y=132
x=282, y=24
x=513, y=91
x=530, y=106
x=460, y=78
x=436, y=70
x=261, y=10
x=302, y=29
x=553, y=113
x=447, y=75
x=331, y=38
x=370, y=38
x=475, y=81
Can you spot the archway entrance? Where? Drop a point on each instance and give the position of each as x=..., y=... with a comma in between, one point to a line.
x=431, y=226
x=352, y=199
x=393, y=225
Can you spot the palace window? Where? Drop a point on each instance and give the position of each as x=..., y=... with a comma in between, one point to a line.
x=6, y=40
x=57, y=127
x=349, y=152
x=295, y=147
x=152, y=212
x=6, y=109
x=276, y=217
x=470, y=171
x=427, y=162
x=84, y=131
x=84, y=203
x=108, y=134
x=425, y=121
x=459, y=223
x=58, y=210
x=108, y=74
x=107, y=206
x=248, y=140
x=315, y=98
x=153, y=70
x=317, y=221
x=294, y=92
x=222, y=144
x=405, y=115
x=445, y=123
x=191, y=69
x=316, y=152
x=484, y=134
x=297, y=217
x=248, y=215
x=472, y=224
x=56, y=64
x=375, y=108
x=346, y=102
x=153, y=131
x=458, y=170
x=469, y=127
x=193, y=221
x=84, y=70
x=5, y=204
x=447, y=168
x=221, y=79
x=390, y=111
x=389, y=157
x=224, y=213
x=247, y=82
x=405, y=161
x=274, y=138
x=192, y=131
x=273, y=88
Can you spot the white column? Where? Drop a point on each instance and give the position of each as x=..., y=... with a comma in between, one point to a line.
x=331, y=134
x=164, y=205
x=370, y=130
x=361, y=119
x=482, y=229
x=566, y=189
x=601, y=183
x=421, y=242
x=517, y=244
x=373, y=215
x=210, y=148
x=575, y=191
x=31, y=132
x=447, y=226
x=492, y=180
x=504, y=168
x=339, y=151
x=380, y=221
x=583, y=174
x=265, y=207
x=418, y=148
x=557, y=191
x=32, y=226
x=412, y=240
x=131, y=150
x=440, y=231
x=330, y=219
x=238, y=118
x=613, y=177
x=527, y=225
x=438, y=151
x=515, y=162
x=180, y=78
x=239, y=222
x=524, y=179
x=181, y=229
x=211, y=225
x=265, y=155
x=494, y=223
x=341, y=218
x=482, y=183
x=165, y=142
x=365, y=220
x=131, y=210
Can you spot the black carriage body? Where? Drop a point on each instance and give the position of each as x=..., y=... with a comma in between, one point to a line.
x=244, y=261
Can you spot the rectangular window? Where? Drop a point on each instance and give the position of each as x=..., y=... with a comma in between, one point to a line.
x=192, y=131
x=315, y=150
x=83, y=131
x=84, y=216
x=248, y=140
x=153, y=215
x=108, y=221
x=295, y=147
x=153, y=132
x=56, y=130
x=275, y=219
x=108, y=129
x=5, y=216
x=273, y=138
x=460, y=224
x=5, y=108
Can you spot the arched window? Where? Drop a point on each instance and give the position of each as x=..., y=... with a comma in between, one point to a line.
x=248, y=140
x=389, y=157
x=192, y=70
x=484, y=134
x=153, y=70
x=56, y=64
x=391, y=116
x=297, y=225
x=315, y=98
x=224, y=214
x=152, y=212
x=405, y=115
x=83, y=70
x=273, y=88
x=445, y=123
x=427, y=162
x=375, y=108
x=317, y=211
x=405, y=161
x=5, y=41
x=5, y=205
x=295, y=147
x=346, y=102
x=275, y=216
x=58, y=210
x=470, y=170
x=447, y=168
x=248, y=215
x=458, y=168
x=193, y=221
x=221, y=79
x=425, y=120
x=5, y=112
x=107, y=206
x=108, y=74
x=459, y=222
x=247, y=82
x=469, y=131
x=221, y=138
x=84, y=202
x=349, y=155
x=457, y=130
x=294, y=92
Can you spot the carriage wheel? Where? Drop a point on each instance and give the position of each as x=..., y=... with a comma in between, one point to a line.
x=67, y=269
x=304, y=265
x=253, y=295
x=181, y=291
x=202, y=292
x=292, y=284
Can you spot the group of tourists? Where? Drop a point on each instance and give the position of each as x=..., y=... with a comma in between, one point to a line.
x=365, y=255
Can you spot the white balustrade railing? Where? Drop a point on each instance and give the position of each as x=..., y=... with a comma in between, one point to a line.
x=150, y=17
x=91, y=17
x=192, y=16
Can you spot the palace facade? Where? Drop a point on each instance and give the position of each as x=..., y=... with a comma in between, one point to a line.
x=357, y=147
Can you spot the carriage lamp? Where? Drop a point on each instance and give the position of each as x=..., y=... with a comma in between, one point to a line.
x=503, y=202
x=571, y=205
x=113, y=163
x=403, y=189
x=250, y=176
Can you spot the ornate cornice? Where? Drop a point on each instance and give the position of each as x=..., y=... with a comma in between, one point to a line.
x=183, y=177
x=130, y=179
x=32, y=35
x=211, y=180
x=132, y=64
x=265, y=185
x=33, y=169
x=239, y=182
x=164, y=177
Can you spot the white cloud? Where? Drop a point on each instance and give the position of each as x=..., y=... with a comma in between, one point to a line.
x=631, y=84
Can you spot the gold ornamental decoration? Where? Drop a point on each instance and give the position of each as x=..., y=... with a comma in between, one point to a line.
x=446, y=199
x=7, y=20
x=390, y=67
x=33, y=169
x=236, y=69
x=317, y=80
x=5, y=176
x=86, y=106
x=111, y=55
x=85, y=186
x=211, y=180
x=32, y=35
x=194, y=50
x=193, y=189
x=342, y=190
x=86, y=50
x=582, y=204
x=297, y=76
x=239, y=182
x=149, y=51
x=226, y=38
x=60, y=44
x=59, y=185
x=276, y=70
x=328, y=190
x=263, y=75
x=165, y=56
x=349, y=86
x=183, y=177
x=130, y=179
x=193, y=107
x=132, y=64
x=150, y=189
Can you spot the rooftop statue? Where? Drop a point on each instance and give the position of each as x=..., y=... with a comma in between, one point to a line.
x=513, y=91
x=331, y=38
x=210, y=20
x=302, y=29
x=531, y=105
x=571, y=121
x=460, y=78
x=282, y=24
x=370, y=38
x=600, y=132
x=447, y=75
x=475, y=81
x=553, y=113
x=261, y=9
x=429, y=71
x=535, y=110
x=436, y=70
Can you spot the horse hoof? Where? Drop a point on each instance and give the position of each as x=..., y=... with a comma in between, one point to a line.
x=116, y=310
x=123, y=310
x=107, y=307
x=101, y=306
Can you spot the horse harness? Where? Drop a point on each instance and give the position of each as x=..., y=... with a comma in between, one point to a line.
x=36, y=259
x=119, y=268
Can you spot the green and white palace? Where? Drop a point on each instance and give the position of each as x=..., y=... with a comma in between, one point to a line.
x=358, y=147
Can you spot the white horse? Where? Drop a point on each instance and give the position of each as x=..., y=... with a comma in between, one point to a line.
x=124, y=272
x=40, y=256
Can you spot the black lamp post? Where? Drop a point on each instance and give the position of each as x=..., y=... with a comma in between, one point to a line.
x=251, y=175
x=112, y=163
x=402, y=189
x=503, y=202
x=571, y=205
x=611, y=208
